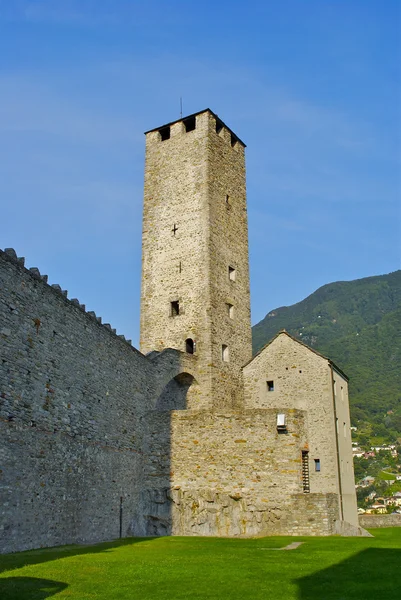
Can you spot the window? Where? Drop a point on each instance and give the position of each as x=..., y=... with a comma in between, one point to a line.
x=281, y=426
x=175, y=308
x=190, y=124
x=189, y=346
x=164, y=133
x=270, y=386
x=230, y=310
x=224, y=353
x=305, y=471
x=317, y=464
x=345, y=429
x=219, y=125
x=234, y=140
x=231, y=273
x=228, y=201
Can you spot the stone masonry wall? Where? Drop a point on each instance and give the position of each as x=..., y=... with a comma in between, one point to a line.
x=174, y=246
x=346, y=461
x=194, y=229
x=228, y=247
x=82, y=426
x=369, y=521
x=71, y=398
x=301, y=379
x=229, y=474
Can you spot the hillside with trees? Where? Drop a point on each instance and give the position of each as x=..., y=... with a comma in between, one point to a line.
x=358, y=325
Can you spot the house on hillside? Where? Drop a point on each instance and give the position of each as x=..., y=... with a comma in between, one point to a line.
x=394, y=500
x=376, y=509
x=366, y=481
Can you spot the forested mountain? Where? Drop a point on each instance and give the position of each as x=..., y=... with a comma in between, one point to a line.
x=358, y=325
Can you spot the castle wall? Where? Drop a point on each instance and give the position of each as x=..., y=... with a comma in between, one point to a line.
x=229, y=474
x=369, y=521
x=182, y=443
x=346, y=462
x=71, y=397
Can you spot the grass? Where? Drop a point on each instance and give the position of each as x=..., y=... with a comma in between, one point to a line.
x=176, y=568
x=387, y=476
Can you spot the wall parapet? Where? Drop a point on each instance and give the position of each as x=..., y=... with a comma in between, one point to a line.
x=11, y=255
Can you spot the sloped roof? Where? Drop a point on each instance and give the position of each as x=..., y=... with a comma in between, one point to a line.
x=294, y=339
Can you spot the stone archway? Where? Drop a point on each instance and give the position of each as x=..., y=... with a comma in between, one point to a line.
x=180, y=393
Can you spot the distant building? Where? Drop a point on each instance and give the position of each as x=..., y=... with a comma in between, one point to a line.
x=366, y=481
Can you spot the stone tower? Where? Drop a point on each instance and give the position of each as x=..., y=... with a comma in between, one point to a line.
x=195, y=275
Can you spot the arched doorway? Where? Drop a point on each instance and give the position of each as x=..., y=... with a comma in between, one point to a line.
x=180, y=393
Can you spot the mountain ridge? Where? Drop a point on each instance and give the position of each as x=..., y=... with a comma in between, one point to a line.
x=357, y=324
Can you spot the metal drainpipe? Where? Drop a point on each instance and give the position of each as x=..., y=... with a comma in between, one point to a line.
x=337, y=446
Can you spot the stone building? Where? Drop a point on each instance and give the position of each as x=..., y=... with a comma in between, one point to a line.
x=190, y=436
x=195, y=275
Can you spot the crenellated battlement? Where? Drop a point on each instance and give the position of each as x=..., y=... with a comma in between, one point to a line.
x=185, y=125
x=11, y=255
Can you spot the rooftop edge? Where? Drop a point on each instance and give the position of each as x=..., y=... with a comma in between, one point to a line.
x=194, y=115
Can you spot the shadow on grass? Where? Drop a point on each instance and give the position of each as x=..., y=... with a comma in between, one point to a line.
x=29, y=588
x=374, y=573
x=8, y=562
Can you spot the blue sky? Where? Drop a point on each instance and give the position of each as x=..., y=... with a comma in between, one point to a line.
x=313, y=87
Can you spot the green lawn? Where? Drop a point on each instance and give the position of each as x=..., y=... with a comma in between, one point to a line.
x=387, y=476
x=176, y=568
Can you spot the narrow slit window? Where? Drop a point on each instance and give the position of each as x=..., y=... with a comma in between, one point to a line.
x=231, y=273
x=317, y=465
x=305, y=471
x=224, y=353
x=233, y=141
x=230, y=310
x=164, y=133
x=219, y=126
x=270, y=386
x=190, y=124
x=175, y=308
x=189, y=346
x=228, y=200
